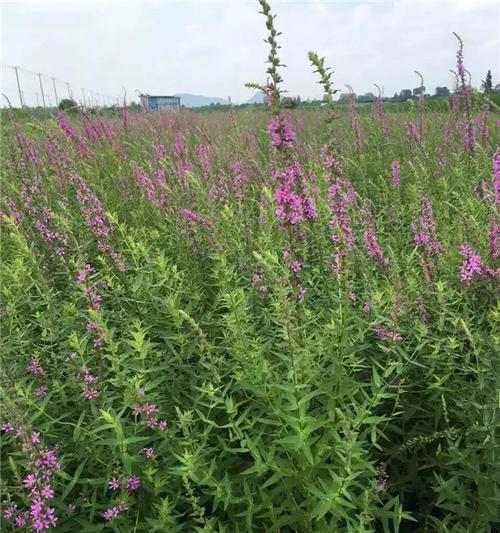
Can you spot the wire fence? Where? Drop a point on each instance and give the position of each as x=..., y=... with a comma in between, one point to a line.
x=21, y=87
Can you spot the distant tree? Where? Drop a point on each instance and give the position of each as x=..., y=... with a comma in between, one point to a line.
x=67, y=104
x=487, y=84
x=442, y=91
x=289, y=102
x=134, y=106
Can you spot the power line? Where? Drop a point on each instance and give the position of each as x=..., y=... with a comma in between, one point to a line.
x=31, y=96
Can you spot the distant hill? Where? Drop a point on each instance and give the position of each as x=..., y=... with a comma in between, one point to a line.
x=257, y=98
x=197, y=100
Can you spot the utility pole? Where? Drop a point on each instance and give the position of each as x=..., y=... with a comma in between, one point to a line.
x=18, y=86
x=55, y=91
x=69, y=90
x=41, y=88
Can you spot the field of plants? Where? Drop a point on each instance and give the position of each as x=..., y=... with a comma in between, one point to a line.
x=249, y=322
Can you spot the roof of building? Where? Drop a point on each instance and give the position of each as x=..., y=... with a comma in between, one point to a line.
x=160, y=96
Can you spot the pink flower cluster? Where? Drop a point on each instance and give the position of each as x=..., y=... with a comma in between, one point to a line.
x=494, y=237
x=42, y=462
x=281, y=131
x=342, y=198
x=89, y=381
x=257, y=281
x=383, y=333
x=239, y=183
x=474, y=266
x=95, y=218
x=148, y=453
x=468, y=132
x=203, y=158
x=481, y=124
x=28, y=148
x=35, y=367
x=496, y=176
x=99, y=128
x=130, y=484
x=44, y=220
x=193, y=217
x=65, y=125
x=372, y=246
x=293, y=203
x=425, y=235
x=154, y=188
x=99, y=334
x=113, y=512
x=330, y=161
x=68, y=130
x=89, y=290
x=395, y=174
x=147, y=412
x=412, y=134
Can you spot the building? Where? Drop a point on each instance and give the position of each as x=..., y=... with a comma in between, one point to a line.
x=167, y=103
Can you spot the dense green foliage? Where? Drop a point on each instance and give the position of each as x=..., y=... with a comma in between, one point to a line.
x=283, y=413
x=256, y=321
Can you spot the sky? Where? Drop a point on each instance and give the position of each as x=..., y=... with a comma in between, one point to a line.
x=214, y=47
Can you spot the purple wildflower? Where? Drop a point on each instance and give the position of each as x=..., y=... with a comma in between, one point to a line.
x=111, y=513
x=41, y=390
x=90, y=394
x=193, y=217
x=20, y=520
x=425, y=235
x=35, y=368
x=496, y=176
x=494, y=237
x=395, y=174
x=7, y=427
x=148, y=453
x=293, y=204
x=10, y=511
x=372, y=246
x=473, y=265
x=132, y=483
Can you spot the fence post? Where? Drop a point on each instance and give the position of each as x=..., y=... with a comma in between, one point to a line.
x=55, y=91
x=41, y=88
x=19, y=86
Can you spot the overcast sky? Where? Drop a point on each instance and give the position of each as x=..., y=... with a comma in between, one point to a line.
x=214, y=47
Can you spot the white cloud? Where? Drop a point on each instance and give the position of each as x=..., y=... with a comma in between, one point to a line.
x=213, y=48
